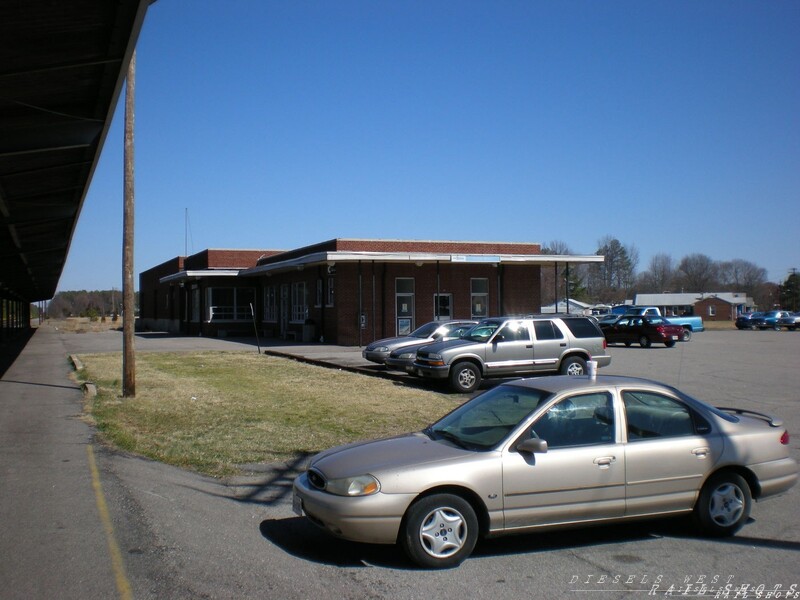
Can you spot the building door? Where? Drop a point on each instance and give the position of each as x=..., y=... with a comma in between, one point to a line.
x=443, y=304
x=404, y=305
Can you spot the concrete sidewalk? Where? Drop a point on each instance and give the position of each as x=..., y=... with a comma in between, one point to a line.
x=53, y=543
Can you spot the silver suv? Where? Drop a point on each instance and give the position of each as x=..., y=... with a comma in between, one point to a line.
x=508, y=346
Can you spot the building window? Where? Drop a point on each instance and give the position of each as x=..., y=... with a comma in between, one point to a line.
x=479, y=293
x=443, y=304
x=712, y=310
x=229, y=303
x=299, y=304
x=324, y=291
x=270, y=304
x=195, y=304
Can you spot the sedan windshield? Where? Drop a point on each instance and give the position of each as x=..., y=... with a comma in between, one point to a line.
x=486, y=420
x=482, y=331
x=425, y=331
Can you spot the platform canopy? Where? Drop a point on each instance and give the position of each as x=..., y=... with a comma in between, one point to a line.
x=62, y=69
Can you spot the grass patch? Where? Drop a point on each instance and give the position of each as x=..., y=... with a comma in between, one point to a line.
x=216, y=411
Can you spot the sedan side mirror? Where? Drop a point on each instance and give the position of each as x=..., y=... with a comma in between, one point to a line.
x=533, y=446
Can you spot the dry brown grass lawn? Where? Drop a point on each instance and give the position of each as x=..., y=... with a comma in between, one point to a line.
x=217, y=411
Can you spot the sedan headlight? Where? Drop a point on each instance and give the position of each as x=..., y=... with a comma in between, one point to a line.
x=361, y=485
x=380, y=349
x=407, y=355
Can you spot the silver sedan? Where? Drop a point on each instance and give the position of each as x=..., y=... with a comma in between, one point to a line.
x=544, y=453
x=379, y=350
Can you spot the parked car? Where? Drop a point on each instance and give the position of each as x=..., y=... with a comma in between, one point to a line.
x=769, y=320
x=379, y=350
x=606, y=319
x=642, y=330
x=507, y=346
x=549, y=452
x=402, y=359
x=745, y=320
x=690, y=323
x=791, y=322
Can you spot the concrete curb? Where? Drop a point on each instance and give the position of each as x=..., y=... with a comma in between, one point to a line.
x=76, y=362
x=394, y=376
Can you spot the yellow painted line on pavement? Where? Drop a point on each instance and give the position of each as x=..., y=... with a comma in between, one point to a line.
x=123, y=585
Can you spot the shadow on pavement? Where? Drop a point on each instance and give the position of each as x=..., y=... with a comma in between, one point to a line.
x=301, y=538
x=12, y=347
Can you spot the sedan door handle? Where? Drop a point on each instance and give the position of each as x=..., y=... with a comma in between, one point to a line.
x=604, y=462
x=701, y=452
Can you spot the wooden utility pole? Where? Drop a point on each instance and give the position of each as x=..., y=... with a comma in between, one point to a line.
x=128, y=298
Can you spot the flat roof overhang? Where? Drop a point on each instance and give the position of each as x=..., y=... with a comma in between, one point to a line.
x=420, y=258
x=62, y=69
x=195, y=275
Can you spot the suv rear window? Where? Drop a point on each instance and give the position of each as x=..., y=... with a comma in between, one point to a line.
x=583, y=328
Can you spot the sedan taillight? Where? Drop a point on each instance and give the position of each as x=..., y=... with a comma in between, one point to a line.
x=785, y=437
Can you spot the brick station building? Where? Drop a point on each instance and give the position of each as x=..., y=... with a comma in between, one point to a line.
x=343, y=291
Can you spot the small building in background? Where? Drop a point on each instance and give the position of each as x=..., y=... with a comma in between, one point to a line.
x=718, y=306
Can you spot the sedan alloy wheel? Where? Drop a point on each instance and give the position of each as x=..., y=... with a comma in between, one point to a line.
x=440, y=531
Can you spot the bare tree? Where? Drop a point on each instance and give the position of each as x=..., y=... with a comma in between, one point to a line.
x=557, y=247
x=658, y=278
x=613, y=279
x=698, y=273
x=633, y=260
x=740, y=275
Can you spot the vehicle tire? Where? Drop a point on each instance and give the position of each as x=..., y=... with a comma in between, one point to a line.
x=687, y=335
x=465, y=377
x=574, y=365
x=439, y=531
x=669, y=343
x=776, y=327
x=644, y=341
x=724, y=505
x=627, y=344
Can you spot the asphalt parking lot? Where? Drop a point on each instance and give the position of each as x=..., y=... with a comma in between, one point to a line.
x=186, y=536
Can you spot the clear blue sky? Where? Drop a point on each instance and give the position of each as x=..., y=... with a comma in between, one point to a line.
x=672, y=126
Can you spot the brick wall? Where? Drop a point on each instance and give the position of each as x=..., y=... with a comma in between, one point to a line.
x=151, y=291
x=725, y=311
x=519, y=285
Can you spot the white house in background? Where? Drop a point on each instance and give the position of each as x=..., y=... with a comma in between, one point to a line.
x=678, y=304
x=575, y=308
